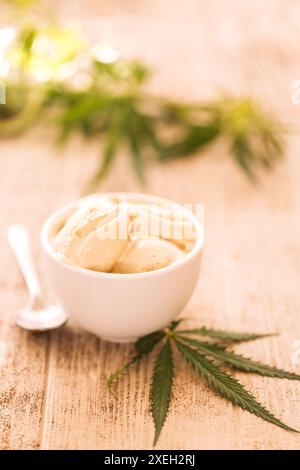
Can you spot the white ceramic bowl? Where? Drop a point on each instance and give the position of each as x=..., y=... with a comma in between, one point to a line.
x=120, y=307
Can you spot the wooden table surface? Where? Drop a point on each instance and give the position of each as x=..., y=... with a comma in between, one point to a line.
x=52, y=392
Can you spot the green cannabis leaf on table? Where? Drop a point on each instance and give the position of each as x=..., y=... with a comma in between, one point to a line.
x=57, y=77
x=209, y=360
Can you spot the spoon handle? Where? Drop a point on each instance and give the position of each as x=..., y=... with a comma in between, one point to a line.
x=19, y=241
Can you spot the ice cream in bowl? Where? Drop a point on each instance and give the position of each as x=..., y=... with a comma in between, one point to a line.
x=122, y=265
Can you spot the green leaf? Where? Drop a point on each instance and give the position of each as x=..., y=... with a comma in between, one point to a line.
x=161, y=387
x=107, y=159
x=273, y=143
x=226, y=385
x=239, y=362
x=173, y=325
x=244, y=156
x=151, y=136
x=113, y=140
x=27, y=38
x=137, y=158
x=145, y=344
x=143, y=347
x=195, y=138
x=230, y=336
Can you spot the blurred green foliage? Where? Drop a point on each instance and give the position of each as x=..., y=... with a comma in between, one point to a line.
x=94, y=92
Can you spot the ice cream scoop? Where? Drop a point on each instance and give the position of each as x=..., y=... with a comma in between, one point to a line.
x=151, y=222
x=123, y=236
x=87, y=239
x=147, y=255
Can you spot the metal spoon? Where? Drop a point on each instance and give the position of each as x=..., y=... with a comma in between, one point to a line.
x=35, y=316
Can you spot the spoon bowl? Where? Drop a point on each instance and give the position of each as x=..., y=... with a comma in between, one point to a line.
x=47, y=318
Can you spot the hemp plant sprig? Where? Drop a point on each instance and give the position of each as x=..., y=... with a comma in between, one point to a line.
x=58, y=78
x=210, y=360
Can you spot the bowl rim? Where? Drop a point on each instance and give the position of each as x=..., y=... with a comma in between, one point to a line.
x=59, y=215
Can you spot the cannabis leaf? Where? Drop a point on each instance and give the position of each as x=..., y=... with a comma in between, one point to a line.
x=137, y=158
x=195, y=138
x=206, y=359
x=230, y=336
x=143, y=347
x=161, y=387
x=146, y=344
x=109, y=153
x=239, y=362
x=227, y=386
x=243, y=155
x=173, y=325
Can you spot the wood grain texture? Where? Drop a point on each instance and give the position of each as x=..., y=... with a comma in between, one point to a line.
x=52, y=392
